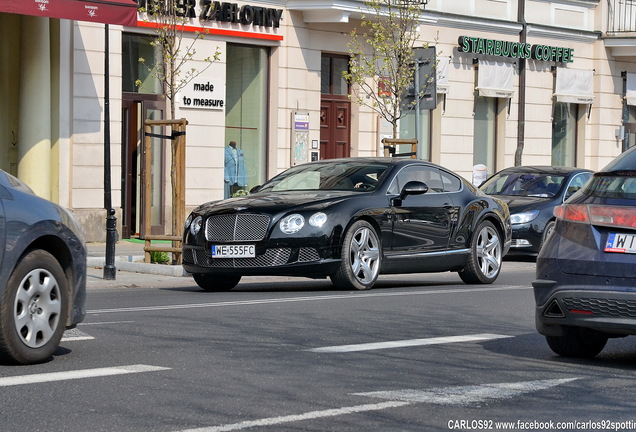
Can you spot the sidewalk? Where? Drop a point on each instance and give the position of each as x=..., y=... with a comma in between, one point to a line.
x=129, y=257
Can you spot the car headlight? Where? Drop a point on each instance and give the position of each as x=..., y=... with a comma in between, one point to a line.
x=195, y=225
x=187, y=222
x=525, y=217
x=292, y=223
x=318, y=219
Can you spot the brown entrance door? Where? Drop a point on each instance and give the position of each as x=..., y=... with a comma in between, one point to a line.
x=137, y=108
x=335, y=132
x=335, y=108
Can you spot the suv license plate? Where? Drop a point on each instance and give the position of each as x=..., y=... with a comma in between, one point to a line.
x=621, y=243
x=233, y=251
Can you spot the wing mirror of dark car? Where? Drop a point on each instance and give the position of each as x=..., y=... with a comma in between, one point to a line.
x=410, y=188
x=255, y=189
x=413, y=188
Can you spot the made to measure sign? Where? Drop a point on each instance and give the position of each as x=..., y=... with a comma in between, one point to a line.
x=203, y=93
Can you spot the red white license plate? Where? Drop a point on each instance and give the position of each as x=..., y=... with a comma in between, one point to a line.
x=233, y=251
x=620, y=243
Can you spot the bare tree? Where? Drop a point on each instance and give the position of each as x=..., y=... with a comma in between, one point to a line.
x=170, y=18
x=381, y=57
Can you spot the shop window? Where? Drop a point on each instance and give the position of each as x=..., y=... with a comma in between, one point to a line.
x=564, y=134
x=485, y=132
x=134, y=47
x=245, y=118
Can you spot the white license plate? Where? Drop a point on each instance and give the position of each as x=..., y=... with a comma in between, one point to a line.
x=621, y=243
x=233, y=251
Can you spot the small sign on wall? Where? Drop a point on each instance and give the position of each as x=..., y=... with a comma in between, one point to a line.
x=203, y=93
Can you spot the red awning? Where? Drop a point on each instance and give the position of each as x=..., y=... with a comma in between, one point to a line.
x=122, y=12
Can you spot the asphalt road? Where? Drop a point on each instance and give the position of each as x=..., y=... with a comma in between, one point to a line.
x=417, y=353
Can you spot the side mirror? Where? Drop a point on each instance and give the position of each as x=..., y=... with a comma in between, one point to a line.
x=413, y=188
x=255, y=189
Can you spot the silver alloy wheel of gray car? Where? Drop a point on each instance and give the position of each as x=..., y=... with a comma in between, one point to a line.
x=361, y=258
x=484, y=262
x=37, y=310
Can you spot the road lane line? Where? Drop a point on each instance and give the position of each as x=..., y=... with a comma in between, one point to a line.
x=304, y=299
x=272, y=421
x=408, y=343
x=78, y=374
x=462, y=395
x=465, y=395
x=75, y=335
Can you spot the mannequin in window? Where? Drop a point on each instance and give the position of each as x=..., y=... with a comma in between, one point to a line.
x=235, y=177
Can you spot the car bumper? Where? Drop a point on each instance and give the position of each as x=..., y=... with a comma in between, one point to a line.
x=591, y=302
x=283, y=261
x=525, y=240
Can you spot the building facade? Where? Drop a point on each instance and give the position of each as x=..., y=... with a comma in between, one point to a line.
x=536, y=81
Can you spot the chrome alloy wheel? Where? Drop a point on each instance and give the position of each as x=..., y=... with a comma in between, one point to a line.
x=365, y=255
x=37, y=308
x=489, y=251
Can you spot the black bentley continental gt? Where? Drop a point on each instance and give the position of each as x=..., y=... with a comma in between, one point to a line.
x=351, y=220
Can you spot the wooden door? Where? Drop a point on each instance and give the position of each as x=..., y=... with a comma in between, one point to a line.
x=335, y=129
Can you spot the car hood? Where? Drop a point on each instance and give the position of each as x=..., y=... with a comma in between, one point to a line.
x=517, y=204
x=275, y=202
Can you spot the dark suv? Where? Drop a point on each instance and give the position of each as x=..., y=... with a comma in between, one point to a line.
x=42, y=273
x=585, y=290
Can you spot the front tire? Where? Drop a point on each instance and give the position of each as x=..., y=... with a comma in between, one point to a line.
x=361, y=258
x=216, y=282
x=34, y=309
x=577, y=342
x=484, y=261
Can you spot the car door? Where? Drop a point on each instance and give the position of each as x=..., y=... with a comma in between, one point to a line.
x=420, y=223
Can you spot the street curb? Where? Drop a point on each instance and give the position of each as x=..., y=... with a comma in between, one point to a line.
x=131, y=264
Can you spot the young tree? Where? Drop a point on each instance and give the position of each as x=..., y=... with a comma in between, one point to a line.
x=172, y=70
x=381, y=57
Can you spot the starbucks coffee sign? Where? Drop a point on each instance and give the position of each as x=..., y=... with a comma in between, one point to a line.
x=518, y=50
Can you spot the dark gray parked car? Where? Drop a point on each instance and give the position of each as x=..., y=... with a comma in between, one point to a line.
x=585, y=290
x=42, y=273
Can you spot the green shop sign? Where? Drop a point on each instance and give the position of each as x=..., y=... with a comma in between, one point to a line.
x=477, y=45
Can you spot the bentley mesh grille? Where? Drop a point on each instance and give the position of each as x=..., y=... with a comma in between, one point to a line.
x=271, y=258
x=308, y=255
x=615, y=308
x=236, y=227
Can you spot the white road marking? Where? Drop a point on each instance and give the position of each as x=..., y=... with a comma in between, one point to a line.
x=75, y=335
x=304, y=299
x=399, y=398
x=407, y=343
x=272, y=421
x=78, y=374
x=105, y=323
x=466, y=395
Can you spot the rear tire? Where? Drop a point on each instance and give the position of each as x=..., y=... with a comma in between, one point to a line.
x=216, y=282
x=361, y=258
x=34, y=309
x=484, y=262
x=577, y=342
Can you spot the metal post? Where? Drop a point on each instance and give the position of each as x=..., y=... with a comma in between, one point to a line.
x=110, y=271
x=417, y=108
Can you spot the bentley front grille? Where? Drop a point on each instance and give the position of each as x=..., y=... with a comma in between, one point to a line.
x=236, y=227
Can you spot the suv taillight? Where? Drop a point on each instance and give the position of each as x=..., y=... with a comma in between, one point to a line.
x=621, y=216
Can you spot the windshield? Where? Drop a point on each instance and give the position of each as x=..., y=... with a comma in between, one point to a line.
x=524, y=184
x=346, y=176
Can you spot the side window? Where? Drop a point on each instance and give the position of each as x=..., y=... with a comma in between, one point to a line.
x=429, y=175
x=576, y=183
x=451, y=183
